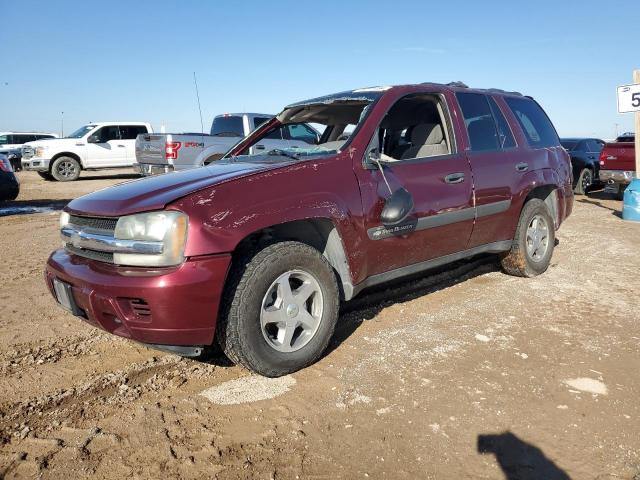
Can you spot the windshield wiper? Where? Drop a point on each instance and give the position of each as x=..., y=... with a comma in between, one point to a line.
x=283, y=153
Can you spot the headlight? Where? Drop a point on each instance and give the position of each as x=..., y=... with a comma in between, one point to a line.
x=167, y=227
x=64, y=219
x=39, y=151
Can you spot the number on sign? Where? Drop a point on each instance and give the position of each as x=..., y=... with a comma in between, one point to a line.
x=635, y=99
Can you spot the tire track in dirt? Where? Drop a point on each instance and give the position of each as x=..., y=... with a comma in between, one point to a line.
x=108, y=390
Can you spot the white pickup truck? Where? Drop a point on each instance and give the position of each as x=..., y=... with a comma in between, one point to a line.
x=95, y=146
x=166, y=152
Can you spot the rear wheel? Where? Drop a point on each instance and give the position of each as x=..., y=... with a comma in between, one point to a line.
x=65, y=169
x=585, y=180
x=280, y=311
x=46, y=175
x=619, y=192
x=533, y=242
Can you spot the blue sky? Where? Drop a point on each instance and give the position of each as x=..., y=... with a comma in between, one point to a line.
x=134, y=60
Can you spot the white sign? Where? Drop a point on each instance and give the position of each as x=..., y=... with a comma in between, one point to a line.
x=629, y=98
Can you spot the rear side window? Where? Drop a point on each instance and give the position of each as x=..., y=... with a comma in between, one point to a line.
x=505, y=137
x=130, y=132
x=534, y=122
x=4, y=139
x=230, y=126
x=478, y=119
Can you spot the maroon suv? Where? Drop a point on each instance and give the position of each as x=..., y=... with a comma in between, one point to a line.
x=257, y=251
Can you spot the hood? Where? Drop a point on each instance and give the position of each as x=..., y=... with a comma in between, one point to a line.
x=155, y=193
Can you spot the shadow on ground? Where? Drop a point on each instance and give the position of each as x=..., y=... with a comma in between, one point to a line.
x=113, y=176
x=26, y=207
x=372, y=301
x=518, y=459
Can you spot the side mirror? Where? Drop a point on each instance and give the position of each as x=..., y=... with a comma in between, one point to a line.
x=93, y=139
x=396, y=208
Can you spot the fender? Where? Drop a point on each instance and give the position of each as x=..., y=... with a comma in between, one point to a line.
x=222, y=217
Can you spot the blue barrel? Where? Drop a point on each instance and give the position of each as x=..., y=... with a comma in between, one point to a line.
x=631, y=203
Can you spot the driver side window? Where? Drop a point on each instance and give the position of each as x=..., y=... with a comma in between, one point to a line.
x=107, y=133
x=414, y=127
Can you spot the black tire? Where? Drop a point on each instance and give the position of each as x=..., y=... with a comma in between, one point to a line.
x=519, y=261
x=239, y=331
x=619, y=193
x=65, y=169
x=46, y=176
x=585, y=180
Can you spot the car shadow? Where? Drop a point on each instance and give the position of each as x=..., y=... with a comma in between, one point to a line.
x=588, y=201
x=373, y=300
x=27, y=207
x=519, y=460
x=113, y=176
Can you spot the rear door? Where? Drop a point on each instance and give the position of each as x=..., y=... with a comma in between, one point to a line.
x=493, y=156
x=128, y=134
x=439, y=182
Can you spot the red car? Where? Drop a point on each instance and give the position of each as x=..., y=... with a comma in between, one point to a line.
x=618, y=164
x=256, y=252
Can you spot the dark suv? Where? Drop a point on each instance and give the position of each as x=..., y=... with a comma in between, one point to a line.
x=256, y=252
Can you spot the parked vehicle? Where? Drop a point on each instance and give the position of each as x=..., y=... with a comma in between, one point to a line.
x=11, y=143
x=618, y=164
x=166, y=152
x=95, y=146
x=9, y=185
x=257, y=251
x=585, y=161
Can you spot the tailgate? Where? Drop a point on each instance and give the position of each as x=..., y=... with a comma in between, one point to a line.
x=150, y=148
x=618, y=156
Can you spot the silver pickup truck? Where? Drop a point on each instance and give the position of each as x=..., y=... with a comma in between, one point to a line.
x=166, y=152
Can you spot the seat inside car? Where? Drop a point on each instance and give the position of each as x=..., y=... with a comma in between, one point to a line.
x=427, y=140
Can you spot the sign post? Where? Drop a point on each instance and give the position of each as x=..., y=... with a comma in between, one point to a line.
x=629, y=101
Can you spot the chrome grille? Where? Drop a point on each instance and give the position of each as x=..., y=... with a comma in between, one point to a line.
x=95, y=223
x=100, y=224
x=27, y=152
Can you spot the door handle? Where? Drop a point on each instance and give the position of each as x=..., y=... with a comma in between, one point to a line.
x=454, y=178
x=259, y=147
x=121, y=146
x=522, y=167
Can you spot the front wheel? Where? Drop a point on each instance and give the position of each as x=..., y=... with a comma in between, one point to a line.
x=65, y=169
x=533, y=242
x=281, y=309
x=584, y=181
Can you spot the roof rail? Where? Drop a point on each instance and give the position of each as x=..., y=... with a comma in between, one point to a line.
x=499, y=90
x=457, y=84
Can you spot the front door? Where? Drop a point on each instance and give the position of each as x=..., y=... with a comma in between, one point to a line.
x=106, y=149
x=415, y=141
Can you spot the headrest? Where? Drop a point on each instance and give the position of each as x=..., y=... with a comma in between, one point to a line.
x=426, y=134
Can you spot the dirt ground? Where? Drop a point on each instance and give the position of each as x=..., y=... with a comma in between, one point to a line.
x=467, y=373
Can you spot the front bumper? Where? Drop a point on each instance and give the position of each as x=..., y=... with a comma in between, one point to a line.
x=175, y=306
x=36, y=164
x=147, y=169
x=617, y=176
